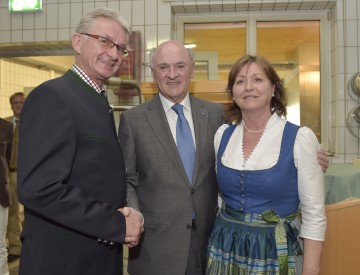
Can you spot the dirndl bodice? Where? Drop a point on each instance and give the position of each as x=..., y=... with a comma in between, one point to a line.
x=256, y=230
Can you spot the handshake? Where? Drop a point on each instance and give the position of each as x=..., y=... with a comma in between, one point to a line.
x=134, y=225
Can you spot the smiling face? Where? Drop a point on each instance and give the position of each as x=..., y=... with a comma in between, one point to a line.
x=97, y=61
x=253, y=90
x=172, y=69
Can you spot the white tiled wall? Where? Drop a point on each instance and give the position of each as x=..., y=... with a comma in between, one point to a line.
x=16, y=77
x=57, y=22
x=153, y=19
x=345, y=27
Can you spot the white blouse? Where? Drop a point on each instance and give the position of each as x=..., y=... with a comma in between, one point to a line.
x=266, y=154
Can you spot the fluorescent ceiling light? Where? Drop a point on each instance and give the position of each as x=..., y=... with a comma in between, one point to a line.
x=190, y=46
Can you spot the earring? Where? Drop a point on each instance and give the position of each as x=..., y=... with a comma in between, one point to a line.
x=272, y=95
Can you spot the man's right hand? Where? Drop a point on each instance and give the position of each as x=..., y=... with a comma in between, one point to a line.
x=134, y=225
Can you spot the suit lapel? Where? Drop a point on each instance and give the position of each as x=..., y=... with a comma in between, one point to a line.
x=158, y=122
x=88, y=90
x=200, y=120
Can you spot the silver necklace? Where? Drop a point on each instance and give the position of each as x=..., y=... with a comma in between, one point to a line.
x=252, y=131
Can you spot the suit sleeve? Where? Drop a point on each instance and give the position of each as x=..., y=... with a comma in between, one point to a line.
x=128, y=147
x=47, y=150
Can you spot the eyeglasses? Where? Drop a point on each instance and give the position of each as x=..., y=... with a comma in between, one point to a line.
x=108, y=44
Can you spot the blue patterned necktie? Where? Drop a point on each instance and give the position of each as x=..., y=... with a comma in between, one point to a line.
x=184, y=141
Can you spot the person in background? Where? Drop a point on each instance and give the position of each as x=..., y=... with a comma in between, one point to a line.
x=269, y=180
x=71, y=173
x=14, y=227
x=6, y=137
x=178, y=198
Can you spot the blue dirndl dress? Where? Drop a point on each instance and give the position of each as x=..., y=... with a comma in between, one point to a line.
x=256, y=229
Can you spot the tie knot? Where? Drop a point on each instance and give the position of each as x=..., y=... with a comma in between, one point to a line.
x=178, y=108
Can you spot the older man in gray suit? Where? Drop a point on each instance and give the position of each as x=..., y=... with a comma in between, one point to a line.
x=178, y=211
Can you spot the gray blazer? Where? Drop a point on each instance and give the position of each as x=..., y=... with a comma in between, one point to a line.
x=157, y=185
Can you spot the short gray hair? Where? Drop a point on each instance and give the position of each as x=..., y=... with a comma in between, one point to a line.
x=88, y=19
x=153, y=52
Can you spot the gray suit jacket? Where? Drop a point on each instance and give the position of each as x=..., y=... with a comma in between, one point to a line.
x=158, y=186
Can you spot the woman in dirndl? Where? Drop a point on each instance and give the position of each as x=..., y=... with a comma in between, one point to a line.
x=272, y=218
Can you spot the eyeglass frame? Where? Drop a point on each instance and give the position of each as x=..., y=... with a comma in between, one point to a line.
x=120, y=48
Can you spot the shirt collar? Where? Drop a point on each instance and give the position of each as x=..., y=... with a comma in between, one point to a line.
x=167, y=104
x=86, y=78
x=14, y=119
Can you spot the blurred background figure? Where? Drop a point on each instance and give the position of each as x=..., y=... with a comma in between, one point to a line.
x=6, y=136
x=14, y=222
